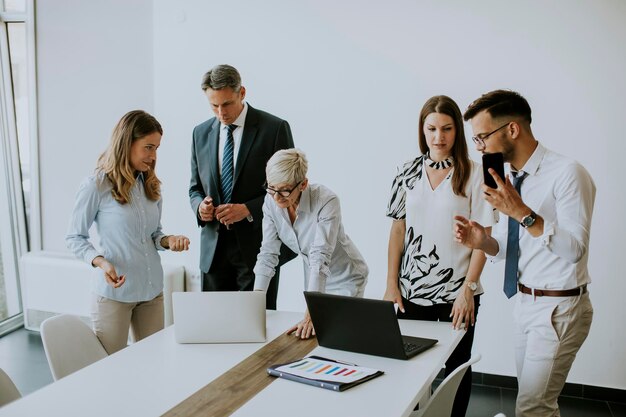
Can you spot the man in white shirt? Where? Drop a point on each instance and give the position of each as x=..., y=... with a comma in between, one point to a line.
x=548, y=199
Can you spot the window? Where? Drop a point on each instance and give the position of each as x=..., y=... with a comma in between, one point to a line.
x=18, y=182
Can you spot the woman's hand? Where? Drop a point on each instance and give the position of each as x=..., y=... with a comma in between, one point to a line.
x=393, y=294
x=178, y=243
x=110, y=275
x=304, y=329
x=463, y=310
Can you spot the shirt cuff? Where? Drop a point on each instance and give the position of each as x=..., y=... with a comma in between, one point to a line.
x=91, y=255
x=261, y=282
x=548, y=232
x=157, y=241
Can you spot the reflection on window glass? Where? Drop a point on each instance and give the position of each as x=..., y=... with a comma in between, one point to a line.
x=4, y=312
x=19, y=74
x=14, y=5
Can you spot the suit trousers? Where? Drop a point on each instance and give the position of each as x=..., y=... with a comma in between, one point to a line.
x=549, y=331
x=229, y=271
x=461, y=354
x=112, y=319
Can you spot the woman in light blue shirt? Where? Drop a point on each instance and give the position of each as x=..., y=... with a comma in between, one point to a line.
x=123, y=198
x=306, y=218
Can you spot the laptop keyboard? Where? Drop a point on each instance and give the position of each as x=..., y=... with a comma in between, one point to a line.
x=410, y=347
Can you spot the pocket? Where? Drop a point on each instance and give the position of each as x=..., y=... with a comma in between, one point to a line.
x=561, y=316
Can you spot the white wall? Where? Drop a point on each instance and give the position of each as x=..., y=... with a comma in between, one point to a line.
x=94, y=63
x=351, y=77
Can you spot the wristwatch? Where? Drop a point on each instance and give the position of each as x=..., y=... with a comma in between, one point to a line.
x=528, y=220
x=472, y=285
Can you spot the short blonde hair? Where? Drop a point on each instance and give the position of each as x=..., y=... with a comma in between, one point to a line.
x=287, y=166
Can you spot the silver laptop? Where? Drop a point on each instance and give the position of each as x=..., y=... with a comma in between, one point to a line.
x=219, y=317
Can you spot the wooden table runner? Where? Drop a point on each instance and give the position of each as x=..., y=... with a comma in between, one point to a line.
x=224, y=395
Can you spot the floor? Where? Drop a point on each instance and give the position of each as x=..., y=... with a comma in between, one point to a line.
x=23, y=359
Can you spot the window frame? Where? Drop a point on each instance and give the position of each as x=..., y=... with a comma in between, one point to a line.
x=18, y=240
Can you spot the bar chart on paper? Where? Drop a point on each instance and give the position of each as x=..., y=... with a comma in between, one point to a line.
x=325, y=369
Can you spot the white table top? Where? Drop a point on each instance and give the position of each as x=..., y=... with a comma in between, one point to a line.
x=151, y=377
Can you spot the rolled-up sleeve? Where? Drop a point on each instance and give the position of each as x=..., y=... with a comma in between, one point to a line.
x=84, y=213
x=323, y=246
x=267, y=259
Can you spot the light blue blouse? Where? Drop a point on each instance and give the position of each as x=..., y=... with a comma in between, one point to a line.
x=332, y=263
x=130, y=235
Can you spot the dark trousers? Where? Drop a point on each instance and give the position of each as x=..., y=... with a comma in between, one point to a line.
x=229, y=272
x=460, y=355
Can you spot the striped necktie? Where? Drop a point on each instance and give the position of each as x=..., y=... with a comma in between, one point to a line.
x=228, y=171
x=512, y=246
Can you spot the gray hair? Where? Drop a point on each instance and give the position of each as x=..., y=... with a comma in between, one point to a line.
x=287, y=166
x=222, y=76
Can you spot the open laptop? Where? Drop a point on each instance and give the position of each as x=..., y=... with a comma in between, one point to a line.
x=219, y=316
x=361, y=325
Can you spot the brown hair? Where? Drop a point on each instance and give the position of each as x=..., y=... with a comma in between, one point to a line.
x=500, y=103
x=115, y=161
x=462, y=166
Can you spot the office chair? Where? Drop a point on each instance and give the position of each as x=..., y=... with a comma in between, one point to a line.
x=8, y=390
x=70, y=345
x=440, y=404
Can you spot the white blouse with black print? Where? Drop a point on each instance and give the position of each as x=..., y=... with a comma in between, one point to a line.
x=433, y=265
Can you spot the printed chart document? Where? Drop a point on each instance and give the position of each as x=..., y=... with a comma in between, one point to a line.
x=324, y=373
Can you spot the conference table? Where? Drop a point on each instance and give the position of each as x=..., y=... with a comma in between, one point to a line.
x=158, y=376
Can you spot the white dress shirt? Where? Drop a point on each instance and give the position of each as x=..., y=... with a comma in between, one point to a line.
x=332, y=263
x=562, y=192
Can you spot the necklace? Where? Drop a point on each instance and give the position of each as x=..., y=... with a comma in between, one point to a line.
x=446, y=163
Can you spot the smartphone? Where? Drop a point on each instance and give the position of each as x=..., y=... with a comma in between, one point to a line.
x=496, y=162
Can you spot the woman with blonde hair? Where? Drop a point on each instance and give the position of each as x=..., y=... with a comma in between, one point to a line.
x=123, y=199
x=306, y=218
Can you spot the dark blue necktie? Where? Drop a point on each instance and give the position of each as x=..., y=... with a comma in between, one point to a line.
x=228, y=171
x=512, y=246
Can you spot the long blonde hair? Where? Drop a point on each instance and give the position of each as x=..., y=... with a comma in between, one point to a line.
x=115, y=161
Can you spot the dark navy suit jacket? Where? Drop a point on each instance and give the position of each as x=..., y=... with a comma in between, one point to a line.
x=263, y=135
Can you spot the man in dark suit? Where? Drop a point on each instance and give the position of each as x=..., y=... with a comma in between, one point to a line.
x=228, y=159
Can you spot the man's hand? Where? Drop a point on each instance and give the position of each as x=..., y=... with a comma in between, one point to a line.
x=227, y=214
x=505, y=197
x=206, y=210
x=469, y=233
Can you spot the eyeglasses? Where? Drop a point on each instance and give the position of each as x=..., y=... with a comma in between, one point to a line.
x=480, y=139
x=282, y=193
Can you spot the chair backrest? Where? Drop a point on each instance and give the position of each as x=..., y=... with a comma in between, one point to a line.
x=440, y=404
x=8, y=390
x=70, y=345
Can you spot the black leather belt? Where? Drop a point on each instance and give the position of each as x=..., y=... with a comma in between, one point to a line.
x=553, y=293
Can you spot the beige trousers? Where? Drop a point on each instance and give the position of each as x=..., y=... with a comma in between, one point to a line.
x=549, y=332
x=111, y=320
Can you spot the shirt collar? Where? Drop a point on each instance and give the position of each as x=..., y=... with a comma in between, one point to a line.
x=305, y=200
x=532, y=165
x=241, y=119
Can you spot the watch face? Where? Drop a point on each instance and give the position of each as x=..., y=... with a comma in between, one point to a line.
x=529, y=220
x=472, y=286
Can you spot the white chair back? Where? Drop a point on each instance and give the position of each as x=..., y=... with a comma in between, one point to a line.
x=70, y=345
x=8, y=390
x=440, y=404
